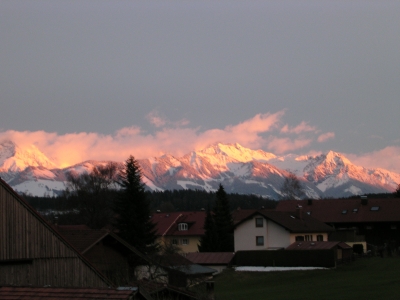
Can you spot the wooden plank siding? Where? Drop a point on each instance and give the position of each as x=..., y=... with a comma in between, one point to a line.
x=33, y=253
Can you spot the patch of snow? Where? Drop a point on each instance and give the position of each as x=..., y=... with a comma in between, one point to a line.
x=40, y=187
x=273, y=269
x=354, y=190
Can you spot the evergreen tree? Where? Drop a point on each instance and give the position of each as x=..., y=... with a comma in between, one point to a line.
x=132, y=209
x=209, y=242
x=223, y=221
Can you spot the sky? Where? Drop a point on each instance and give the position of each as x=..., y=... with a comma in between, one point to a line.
x=105, y=79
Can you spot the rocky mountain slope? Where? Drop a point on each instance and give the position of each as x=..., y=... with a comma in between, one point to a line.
x=238, y=169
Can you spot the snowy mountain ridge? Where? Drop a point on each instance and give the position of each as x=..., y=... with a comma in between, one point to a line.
x=239, y=169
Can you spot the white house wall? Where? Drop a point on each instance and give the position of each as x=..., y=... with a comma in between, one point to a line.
x=277, y=235
x=274, y=235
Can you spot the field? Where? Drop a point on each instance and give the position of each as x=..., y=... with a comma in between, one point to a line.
x=366, y=278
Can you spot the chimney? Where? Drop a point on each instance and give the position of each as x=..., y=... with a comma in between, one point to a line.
x=299, y=211
x=364, y=200
x=309, y=201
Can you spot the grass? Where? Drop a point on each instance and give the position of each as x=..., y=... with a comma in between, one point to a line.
x=366, y=278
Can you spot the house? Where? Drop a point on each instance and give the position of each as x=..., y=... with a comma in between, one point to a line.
x=216, y=260
x=109, y=253
x=182, y=229
x=357, y=220
x=33, y=253
x=343, y=251
x=270, y=230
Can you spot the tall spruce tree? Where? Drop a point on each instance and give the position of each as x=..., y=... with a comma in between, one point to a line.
x=209, y=242
x=132, y=210
x=223, y=221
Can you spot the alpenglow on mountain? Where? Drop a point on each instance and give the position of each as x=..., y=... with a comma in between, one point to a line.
x=238, y=169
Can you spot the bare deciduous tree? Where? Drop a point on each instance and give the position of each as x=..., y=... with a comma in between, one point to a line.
x=292, y=188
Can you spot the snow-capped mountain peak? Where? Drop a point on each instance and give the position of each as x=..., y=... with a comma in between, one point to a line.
x=15, y=159
x=236, y=152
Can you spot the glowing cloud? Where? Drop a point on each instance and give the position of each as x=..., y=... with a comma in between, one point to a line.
x=326, y=136
x=387, y=158
x=302, y=127
x=263, y=131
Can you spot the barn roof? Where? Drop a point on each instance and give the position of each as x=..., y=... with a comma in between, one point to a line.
x=210, y=258
x=49, y=227
x=51, y=293
x=308, y=245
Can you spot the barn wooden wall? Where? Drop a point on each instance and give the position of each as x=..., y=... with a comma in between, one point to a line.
x=32, y=253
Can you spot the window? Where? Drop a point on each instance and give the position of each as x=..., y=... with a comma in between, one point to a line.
x=182, y=226
x=374, y=208
x=355, y=210
x=320, y=238
x=259, y=240
x=259, y=222
x=174, y=242
x=185, y=242
x=299, y=238
x=308, y=237
x=344, y=211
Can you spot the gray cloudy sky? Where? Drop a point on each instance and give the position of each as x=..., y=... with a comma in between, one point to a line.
x=149, y=77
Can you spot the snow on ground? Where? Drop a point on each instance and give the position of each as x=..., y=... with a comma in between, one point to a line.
x=273, y=269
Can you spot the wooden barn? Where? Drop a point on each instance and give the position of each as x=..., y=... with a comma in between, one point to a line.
x=32, y=253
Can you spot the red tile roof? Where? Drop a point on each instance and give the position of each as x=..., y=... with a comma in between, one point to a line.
x=347, y=210
x=167, y=223
x=50, y=293
x=308, y=245
x=210, y=258
x=292, y=220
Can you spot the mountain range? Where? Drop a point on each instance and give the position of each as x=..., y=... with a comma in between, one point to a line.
x=238, y=169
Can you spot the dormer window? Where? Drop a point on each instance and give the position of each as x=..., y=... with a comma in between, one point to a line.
x=182, y=226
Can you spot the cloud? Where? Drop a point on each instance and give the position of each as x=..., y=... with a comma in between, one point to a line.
x=282, y=145
x=302, y=127
x=326, y=136
x=154, y=118
x=387, y=158
x=263, y=131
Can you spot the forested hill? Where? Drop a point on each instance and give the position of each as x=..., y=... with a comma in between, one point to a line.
x=167, y=201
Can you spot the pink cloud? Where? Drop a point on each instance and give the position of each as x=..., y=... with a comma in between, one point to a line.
x=326, y=136
x=302, y=127
x=282, y=145
x=173, y=138
x=387, y=158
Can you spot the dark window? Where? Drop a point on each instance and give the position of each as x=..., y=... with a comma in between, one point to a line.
x=185, y=242
x=259, y=240
x=308, y=237
x=174, y=242
x=259, y=222
x=320, y=238
x=299, y=238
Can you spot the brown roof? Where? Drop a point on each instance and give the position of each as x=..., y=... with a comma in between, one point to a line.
x=82, y=239
x=292, y=220
x=50, y=293
x=308, y=245
x=167, y=223
x=347, y=210
x=210, y=258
